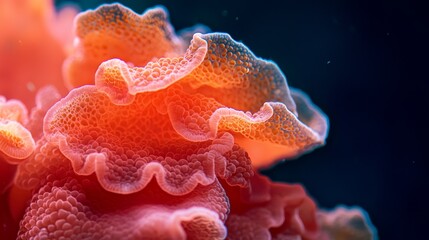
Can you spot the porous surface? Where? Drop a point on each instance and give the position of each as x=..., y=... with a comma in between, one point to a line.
x=114, y=31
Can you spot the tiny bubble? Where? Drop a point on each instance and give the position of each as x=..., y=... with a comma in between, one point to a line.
x=31, y=87
x=388, y=33
x=328, y=62
x=236, y=18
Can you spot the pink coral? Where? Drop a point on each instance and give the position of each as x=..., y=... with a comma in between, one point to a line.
x=159, y=138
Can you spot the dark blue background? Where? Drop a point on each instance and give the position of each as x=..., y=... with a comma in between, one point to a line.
x=364, y=63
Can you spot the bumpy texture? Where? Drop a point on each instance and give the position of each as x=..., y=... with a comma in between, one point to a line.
x=160, y=137
x=114, y=31
x=275, y=125
x=75, y=209
x=16, y=142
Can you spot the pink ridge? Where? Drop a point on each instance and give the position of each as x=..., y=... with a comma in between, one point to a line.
x=287, y=138
x=126, y=157
x=271, y=211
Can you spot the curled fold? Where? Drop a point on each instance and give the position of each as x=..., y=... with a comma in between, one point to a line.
x=114, y=31
x=277, y=123
x=122, y=82
x=268, y=210
x=138, y=121
x=248, y=96
x=275, y=133
x=235, y=77
x=16, y=142
x=267, y=135
x=127, y=145
x=214, y=65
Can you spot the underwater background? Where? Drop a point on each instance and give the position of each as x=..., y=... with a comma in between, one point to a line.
x=361, y=62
